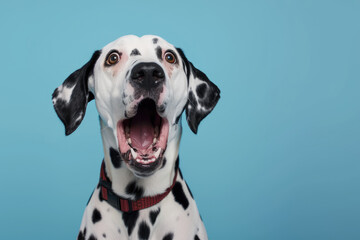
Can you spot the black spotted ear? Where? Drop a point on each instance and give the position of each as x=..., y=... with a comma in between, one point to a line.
x=202, y=94
x=70, y=98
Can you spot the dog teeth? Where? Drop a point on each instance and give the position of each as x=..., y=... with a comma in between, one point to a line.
x=154, y=141
x=128, y=140
x=140, y=161
x=133, y=153
x=157, y=153
x=148, y=161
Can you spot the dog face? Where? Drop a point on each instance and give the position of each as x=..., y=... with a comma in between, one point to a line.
x=141, y=87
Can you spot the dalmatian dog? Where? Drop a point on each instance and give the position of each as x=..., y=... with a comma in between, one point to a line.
x=141, y=87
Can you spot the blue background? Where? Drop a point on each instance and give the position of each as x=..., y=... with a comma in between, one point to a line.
x=278, y=158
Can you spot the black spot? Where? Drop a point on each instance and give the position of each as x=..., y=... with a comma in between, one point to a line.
x=159, y=53
x=155, y=40
x=168, y=236
x=179, y=195
x=104, y=235
x=115, y=158
x=96, y=216
x=92, y=237
x=130, y=219
x=153, y=215
x=188, y=214
x=189, y=190
x=81, y=236
x=133, y=189
x=210, y=98
x=135, y=52
x=144, y=231
x=119, y=230
x=196, y=237
x=200, y=90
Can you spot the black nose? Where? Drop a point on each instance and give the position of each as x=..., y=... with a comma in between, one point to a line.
x=147, y=75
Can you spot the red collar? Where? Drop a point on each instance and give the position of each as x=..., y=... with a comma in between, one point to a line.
x=124, y=204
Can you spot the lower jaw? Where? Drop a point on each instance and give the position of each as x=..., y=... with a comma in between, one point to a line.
x=139, y=169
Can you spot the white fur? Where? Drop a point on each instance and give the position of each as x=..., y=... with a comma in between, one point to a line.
x=64, y=94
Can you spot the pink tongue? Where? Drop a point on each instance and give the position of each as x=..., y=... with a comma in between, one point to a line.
x=142, y=130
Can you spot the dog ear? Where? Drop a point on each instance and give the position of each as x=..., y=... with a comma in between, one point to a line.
x=70, y=98
x=202, y=94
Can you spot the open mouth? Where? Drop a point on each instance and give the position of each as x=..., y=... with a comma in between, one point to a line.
x=143, y=138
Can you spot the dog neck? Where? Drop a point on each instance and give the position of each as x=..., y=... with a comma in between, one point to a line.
x=124, y=182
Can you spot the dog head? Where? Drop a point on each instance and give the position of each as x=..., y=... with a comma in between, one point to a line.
x=141, y=86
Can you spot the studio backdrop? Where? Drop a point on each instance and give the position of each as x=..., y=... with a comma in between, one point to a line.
x=278, y=158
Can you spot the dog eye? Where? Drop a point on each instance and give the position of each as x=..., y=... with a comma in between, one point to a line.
x=112, y=58
x=170, y=57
